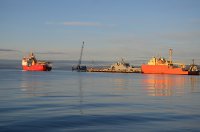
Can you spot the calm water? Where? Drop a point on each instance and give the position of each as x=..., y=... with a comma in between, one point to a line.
x=62, y=100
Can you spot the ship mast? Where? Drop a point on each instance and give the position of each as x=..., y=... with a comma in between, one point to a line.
x=170, y=55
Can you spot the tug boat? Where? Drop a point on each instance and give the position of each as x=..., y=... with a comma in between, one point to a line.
x=163, y=66
x=31, y=64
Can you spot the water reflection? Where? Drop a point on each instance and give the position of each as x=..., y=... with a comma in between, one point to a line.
x=168, y=85
x=120, y=84
x=32, y=85
x=80, y=94
x=194, y=82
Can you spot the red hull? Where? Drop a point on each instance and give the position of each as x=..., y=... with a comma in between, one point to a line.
x=162, y=69
x=35, y=68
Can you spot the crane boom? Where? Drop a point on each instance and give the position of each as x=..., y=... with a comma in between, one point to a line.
x=79, y=67
x=80, y=59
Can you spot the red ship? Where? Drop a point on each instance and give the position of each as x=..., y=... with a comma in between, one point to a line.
x=31, y=64
x=162, y=66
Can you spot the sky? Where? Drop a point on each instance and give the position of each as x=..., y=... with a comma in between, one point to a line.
x=111, y=29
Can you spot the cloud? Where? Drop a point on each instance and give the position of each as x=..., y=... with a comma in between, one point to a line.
x=183, y=37
x=83, y=24
x=195, y=21
x=49, y=23
x=51, y=53
x=80, y=24
x=8, y=50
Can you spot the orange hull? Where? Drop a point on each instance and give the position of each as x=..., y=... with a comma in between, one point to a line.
x=36, y=67
x=162, y=69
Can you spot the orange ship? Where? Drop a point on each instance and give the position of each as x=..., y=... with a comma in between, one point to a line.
x=31, y=64
x=162, y=66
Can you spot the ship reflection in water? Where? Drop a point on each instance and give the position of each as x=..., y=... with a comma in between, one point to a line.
x=170, y=85
x=33, y=85
x=124, y=84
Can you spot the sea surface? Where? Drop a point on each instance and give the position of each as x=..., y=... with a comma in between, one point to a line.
x=64, y=101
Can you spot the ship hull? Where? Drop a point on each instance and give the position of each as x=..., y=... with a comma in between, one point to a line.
x=36, y=68
x=163, y=69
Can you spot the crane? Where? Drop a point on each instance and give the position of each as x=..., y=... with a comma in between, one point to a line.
x=80, y=59
x=80, y=68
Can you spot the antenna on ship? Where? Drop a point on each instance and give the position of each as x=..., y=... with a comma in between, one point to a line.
x=170, y=55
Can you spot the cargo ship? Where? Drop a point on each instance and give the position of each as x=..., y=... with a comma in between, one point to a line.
x=30, y=63
x=160, y=65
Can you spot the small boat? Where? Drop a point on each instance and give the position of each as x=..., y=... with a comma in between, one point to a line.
x=30, y=63
x=118, y=67
x=121, y=66
x=161, y=65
